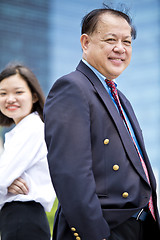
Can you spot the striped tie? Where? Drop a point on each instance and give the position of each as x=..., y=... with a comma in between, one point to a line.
x=113, y=89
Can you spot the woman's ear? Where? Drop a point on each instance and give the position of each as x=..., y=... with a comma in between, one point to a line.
x=34, y=98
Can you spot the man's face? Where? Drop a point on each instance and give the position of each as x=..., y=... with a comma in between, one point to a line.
x=108, y=49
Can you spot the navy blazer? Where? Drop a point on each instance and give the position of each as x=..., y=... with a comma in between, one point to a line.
x=94, y=166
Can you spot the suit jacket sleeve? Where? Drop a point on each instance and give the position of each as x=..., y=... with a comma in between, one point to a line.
x=67, y=129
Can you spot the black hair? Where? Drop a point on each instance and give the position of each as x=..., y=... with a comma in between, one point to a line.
x=89, y=21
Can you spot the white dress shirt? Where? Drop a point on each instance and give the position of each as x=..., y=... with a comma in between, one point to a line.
x=25, y=155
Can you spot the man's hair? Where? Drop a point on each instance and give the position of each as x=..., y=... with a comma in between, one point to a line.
x=89, y=21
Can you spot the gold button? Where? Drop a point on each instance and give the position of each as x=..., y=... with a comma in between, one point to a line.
x=78, y=238
x=106, y=141
x=76, y=234
x=125, y=195
x=73, y=229
x=115, y=167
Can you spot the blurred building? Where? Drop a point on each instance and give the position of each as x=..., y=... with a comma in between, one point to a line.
x=24, y=35
x=44, y=34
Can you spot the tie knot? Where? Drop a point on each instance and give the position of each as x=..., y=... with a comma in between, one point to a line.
x=111, y=84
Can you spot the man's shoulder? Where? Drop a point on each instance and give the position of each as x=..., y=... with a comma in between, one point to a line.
x=80, y=80
x=75, y=77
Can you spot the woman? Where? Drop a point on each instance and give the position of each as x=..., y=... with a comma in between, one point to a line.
x=23, y=164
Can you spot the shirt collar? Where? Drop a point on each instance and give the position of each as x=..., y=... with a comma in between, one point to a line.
x=98, y=74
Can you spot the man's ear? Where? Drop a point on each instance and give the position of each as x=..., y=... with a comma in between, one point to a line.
x=34, y=98
x=85, y=39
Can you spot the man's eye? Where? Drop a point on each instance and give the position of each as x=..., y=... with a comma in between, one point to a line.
x=110, y=40
x=127, y=42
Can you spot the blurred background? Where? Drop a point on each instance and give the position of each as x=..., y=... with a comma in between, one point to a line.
x=44, y=35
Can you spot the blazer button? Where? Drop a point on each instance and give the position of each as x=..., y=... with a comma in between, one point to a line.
x=115, y=167
x=78, y=238
x=125, y=195
x=76, y=234
x=106, y=141
x=73, y=229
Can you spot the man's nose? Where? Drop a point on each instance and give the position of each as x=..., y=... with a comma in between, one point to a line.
x=119, y=47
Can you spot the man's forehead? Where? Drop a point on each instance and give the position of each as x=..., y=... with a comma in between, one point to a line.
x=109, y=17
x=111, y=20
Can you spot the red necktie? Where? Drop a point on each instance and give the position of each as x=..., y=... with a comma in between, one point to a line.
x=113, y=89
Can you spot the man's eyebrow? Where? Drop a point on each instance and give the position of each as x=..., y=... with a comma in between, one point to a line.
x=114, y=35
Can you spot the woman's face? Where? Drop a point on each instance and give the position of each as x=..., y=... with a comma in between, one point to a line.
x=16, y=99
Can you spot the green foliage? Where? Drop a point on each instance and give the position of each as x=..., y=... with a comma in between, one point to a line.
x=50, y=215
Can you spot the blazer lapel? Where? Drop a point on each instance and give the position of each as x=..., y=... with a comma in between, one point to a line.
x=138, y=132
x=131, y=115
x=121, y=128
x=124, y=134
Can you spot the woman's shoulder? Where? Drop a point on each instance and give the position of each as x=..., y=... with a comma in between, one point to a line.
x=29, y=131
x=34, y=122
x=35, y=118
x=31, y=124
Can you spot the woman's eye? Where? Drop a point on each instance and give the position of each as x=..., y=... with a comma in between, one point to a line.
x=2, y=94
x=19, y=92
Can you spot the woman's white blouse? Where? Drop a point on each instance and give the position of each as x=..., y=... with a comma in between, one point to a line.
x=25, y=155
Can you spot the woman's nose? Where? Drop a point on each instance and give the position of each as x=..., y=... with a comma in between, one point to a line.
x=10, y=98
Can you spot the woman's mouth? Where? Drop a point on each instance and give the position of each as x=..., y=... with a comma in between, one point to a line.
x=12, y=107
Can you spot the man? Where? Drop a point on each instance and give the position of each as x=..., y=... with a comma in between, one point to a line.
x=95, y=146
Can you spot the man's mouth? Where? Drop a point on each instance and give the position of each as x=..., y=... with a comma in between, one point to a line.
x=116, y=59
